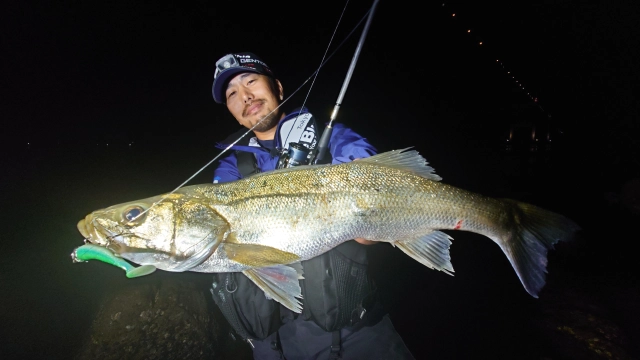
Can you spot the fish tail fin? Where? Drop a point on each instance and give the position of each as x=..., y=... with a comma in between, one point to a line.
x=536, y=231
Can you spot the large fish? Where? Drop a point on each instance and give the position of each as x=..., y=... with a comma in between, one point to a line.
x=264, y=225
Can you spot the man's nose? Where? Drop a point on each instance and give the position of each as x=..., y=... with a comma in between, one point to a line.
x=247, y=96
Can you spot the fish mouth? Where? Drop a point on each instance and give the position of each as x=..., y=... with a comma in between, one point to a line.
x=95, y=233
x=82, y=227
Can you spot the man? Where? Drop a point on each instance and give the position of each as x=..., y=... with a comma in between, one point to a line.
x=341, y=317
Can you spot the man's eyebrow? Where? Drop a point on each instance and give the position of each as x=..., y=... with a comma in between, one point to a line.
x=241, y=77
x=244, y=75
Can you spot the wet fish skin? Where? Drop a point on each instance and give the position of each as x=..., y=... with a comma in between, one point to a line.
x=263, y=223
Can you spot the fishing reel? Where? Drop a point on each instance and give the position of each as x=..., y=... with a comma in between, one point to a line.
x=297, y=154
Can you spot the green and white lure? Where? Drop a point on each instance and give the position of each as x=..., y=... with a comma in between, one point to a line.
x=93, y=252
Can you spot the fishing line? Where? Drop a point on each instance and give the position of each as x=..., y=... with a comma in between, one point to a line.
x=313, y=75
x=322, y=61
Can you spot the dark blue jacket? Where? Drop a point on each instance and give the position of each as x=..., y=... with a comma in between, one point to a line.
x=329, y=300
x=345, y=145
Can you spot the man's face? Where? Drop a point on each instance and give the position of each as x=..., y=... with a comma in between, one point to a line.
x=249, y=98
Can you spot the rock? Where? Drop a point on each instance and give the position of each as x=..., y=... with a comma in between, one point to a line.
x=166, y=318
x=574, y=324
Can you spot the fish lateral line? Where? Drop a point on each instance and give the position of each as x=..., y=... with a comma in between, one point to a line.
x=524, y=232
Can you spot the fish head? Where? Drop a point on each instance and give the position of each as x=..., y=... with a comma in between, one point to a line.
x=173, y=232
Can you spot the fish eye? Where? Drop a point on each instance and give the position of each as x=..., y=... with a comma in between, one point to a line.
x=131, y=213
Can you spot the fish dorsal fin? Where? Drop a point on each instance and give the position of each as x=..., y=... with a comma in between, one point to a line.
x=404, y=160
x=279, y=282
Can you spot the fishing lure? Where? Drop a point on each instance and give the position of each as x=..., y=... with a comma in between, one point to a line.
x=93, y=252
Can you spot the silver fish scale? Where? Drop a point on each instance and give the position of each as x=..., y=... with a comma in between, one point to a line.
x=294, y=214
x=308, y=211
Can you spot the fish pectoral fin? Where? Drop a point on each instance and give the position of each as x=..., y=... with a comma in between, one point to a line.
x=279, y=282
x=431, y=250
x=258, y=255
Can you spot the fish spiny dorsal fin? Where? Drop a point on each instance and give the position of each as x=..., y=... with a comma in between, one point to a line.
x=404, y=160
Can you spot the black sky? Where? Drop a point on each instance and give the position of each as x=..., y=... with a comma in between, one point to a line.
x=85, y=72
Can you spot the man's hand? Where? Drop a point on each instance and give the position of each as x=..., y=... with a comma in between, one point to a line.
x=365, y=241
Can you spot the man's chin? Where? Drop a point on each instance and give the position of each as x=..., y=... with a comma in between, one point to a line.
x=267, y=123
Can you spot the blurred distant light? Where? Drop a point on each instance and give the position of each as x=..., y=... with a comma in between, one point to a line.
x=535, y=99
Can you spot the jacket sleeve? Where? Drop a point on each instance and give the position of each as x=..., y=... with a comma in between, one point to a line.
x=346, y=145
x=227, y=169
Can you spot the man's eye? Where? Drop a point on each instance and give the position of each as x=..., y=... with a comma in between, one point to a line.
x=230, y=94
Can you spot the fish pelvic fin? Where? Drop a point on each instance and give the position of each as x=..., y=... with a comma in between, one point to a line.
x=404, y=160
x=279, y=282
x=431, y=250
x=536, y=231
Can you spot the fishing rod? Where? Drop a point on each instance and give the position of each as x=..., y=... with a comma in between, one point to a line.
x=323, y=144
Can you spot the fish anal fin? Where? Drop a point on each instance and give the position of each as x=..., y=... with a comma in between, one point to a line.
x=279, y=282
x=431, y=250
x=404, y=160
x=258, y=256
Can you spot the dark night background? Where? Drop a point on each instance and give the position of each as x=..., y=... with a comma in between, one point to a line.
x=107, y=102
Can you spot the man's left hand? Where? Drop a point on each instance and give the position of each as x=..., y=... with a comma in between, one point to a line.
x=365, y=241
